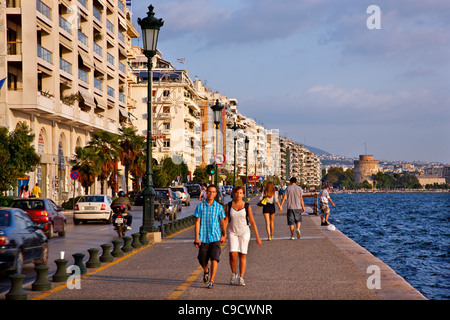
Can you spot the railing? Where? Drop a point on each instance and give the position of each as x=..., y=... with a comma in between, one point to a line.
x=110, y=58
x=14, y=47
x=110, y=26
x=82, y=37
x=44, y=54
x=97, y=14
x=83, y=75
x=13, y=3
x=314, y=205
x=97, y=84
x=65, y=65
x=97, y=49
x=44, y=9
x=110, y=91
x=66, y=25
x=121, y=67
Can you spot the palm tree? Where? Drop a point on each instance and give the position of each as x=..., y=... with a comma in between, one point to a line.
x=83, y=163
x=132, y=147
x=106, y=147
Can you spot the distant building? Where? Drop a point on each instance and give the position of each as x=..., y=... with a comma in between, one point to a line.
x=365, y=167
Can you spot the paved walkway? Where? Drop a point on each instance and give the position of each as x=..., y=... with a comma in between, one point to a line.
x=323, y=265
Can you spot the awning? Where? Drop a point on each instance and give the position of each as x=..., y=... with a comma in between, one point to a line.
x=88, y=99
x=122, y=51
x=123, y=112
x=86, y=59
x=100, y=103
x=99, y=66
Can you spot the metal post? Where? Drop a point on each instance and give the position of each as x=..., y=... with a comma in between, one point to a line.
x=148, y=223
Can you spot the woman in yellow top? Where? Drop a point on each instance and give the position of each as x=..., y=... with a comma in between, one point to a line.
x=269, y=207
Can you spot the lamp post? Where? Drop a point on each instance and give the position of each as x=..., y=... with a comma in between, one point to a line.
x=246, y=141
x=234, y=128
x=150, y=30
x=217, y=110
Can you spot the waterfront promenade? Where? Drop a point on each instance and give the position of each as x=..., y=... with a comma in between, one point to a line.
x=322, y=265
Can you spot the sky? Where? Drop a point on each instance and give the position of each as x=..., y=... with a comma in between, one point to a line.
x=340, y=76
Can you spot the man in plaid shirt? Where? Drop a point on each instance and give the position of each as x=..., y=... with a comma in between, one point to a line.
x=209, y=234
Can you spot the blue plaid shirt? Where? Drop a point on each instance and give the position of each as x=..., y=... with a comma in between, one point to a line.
x=210, y=216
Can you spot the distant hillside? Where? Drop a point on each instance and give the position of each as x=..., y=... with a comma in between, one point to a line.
x=317, y=151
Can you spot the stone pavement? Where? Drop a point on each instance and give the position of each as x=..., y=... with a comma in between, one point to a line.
x=322, y=265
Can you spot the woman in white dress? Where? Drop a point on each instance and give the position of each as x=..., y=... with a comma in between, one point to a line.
x=239, y=219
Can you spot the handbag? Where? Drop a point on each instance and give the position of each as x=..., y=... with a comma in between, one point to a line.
x=263, y=202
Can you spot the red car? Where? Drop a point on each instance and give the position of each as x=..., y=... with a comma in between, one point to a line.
x=43, y=211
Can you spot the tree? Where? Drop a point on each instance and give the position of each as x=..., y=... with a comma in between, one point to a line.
x=84, y=164
x=17, y=155
x=106, y=148
x=132, y=147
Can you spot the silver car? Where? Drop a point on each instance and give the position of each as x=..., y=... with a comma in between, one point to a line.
x=93, y=207
x=184, y=195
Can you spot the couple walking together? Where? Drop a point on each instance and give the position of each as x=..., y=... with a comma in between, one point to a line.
x=211, y=224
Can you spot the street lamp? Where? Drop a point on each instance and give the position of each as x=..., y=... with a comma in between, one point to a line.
x=234, y=128
x=246, y=141
x=150, y=30
x=217, y=111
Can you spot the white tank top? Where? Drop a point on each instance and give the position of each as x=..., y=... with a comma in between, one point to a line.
x=238, y=223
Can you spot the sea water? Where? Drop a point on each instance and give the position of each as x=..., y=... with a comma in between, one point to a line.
x=407, y=231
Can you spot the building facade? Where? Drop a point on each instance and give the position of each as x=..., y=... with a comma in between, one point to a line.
x=66, y=67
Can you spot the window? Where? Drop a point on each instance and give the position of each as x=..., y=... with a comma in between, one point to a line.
x=166, y=143
x=166, y=125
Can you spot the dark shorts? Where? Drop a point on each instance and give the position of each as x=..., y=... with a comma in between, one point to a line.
x=209, y=251
x=294, y=216
x=269, y=208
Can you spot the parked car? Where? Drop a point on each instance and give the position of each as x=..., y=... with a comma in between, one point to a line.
x=43, y=211
x=194, y=189
x=173, y=205
x=93, y=207
x=178, y=201
x=228, y=188
x=160, y=201
x=183, y=194
x=221, y=193
x=21, y=241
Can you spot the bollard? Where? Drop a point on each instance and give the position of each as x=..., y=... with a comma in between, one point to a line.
x=136, y=244
x=172, y=227
x=143, y=239
x=16, y=292
x=93, y=261
x=167, y=229
x=106, y=255
x=41, y=283
x=127, y=245
x=61, y=274
x=117, y=251
x=79, y=262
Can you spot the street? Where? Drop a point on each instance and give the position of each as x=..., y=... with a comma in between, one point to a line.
x=80, y=238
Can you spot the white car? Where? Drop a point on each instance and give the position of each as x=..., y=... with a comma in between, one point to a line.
x=183, y=194
x=93, y=207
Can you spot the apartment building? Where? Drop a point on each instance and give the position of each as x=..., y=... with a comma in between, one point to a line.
x=176, y=114
x=303, y=164
x=66, y=67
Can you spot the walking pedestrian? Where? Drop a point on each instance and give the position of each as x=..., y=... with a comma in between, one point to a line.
x=239, y=219
x=202, y=196
x=26, y=193
x=22, y=189
x=36, y=190
x=209, y=234
x=295, y=207
x=324, y=197
x=269, y=209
